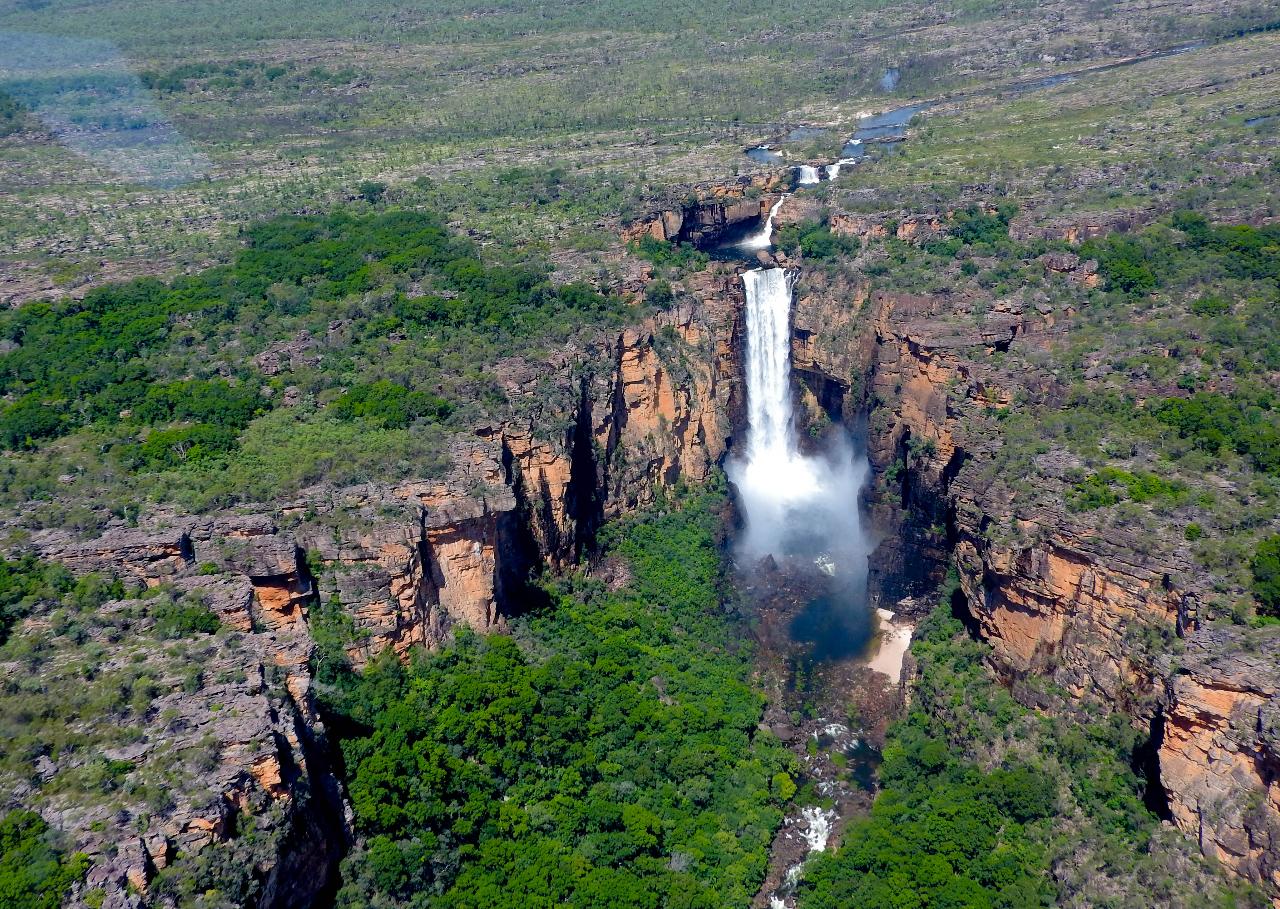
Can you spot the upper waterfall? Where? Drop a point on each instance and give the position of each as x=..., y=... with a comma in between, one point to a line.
x=806, y=175
x=771, y=443
x=764, y=238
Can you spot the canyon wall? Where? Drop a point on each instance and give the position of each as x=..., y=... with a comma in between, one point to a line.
x=223, y=735
x=1101, y=612
x=708, y=210
x=595, y=434
x=601, y=429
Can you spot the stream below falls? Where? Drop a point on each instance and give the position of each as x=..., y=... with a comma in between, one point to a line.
x=801, y=554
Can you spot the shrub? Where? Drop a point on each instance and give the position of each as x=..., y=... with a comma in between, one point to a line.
x=815, y=240
x=371, y=191
x=390, y=405
x=1245, y=423
x=1210, y=305
x=26, y=581
x=1099, y=490
x=1266, y=575
x=215, y=402
x=974, y=225
x=182, y=620
x=33, y=874
x=185, y=445
x=658, y=252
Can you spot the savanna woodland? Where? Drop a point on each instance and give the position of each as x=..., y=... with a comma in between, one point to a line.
x=639, y=455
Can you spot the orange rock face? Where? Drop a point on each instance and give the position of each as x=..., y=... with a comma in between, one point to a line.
x=1220, y=756
x=709, y=209
x=1060, y=599
x=660, y=411
x=281, y=599
x=409, y=562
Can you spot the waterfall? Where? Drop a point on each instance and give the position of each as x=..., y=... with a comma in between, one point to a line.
x=806, y=175
x=771, y=443
x=801, y=511
x=794, y=504
x=764, y=238
x=833, y=170
x=817, y=829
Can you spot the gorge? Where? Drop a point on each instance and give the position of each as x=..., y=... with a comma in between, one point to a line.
x=711, y=380
x=899, y=534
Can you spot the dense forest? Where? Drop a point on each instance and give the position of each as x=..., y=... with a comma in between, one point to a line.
x=604, y=754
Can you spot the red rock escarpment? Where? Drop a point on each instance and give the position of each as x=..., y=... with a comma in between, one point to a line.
x=227, y=732
x=1220, y=753
x=1090, y=608
x=410, y=561
x=710, y=209
x=660, y=409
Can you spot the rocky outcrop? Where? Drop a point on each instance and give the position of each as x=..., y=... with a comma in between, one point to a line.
x=1054, y=595
x=1065, y=604
x=143, y=555
x=214, y=732
x=409, y=562
x=916, y=228
x=658, y=406
x=1083, y=272
x=1094, y=609
x=708, y=211
x=1220, y=750
x=597, y=434
x=249, y=546
x=1079, y=228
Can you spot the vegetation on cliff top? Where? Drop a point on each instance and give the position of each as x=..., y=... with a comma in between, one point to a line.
x=1156, y=406
x=342, y=347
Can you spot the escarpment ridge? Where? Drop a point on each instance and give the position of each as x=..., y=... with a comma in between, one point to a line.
x=1102, y=615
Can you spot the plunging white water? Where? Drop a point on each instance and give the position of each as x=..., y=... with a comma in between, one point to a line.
x=764, y=238
x=794, y=504
x=818, y=829
x=833, y=170
x=806, y=175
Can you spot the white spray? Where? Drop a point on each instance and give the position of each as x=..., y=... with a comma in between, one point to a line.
x=806, y=175
x=833, y=170
x=796, y=506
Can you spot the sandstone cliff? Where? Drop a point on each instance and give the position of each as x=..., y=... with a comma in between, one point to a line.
x=600, y=430
x=173, y=746
x=1220, y=751
x=708, y=210
x=653, y=405
x=1096, y=610
x=599, y=434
